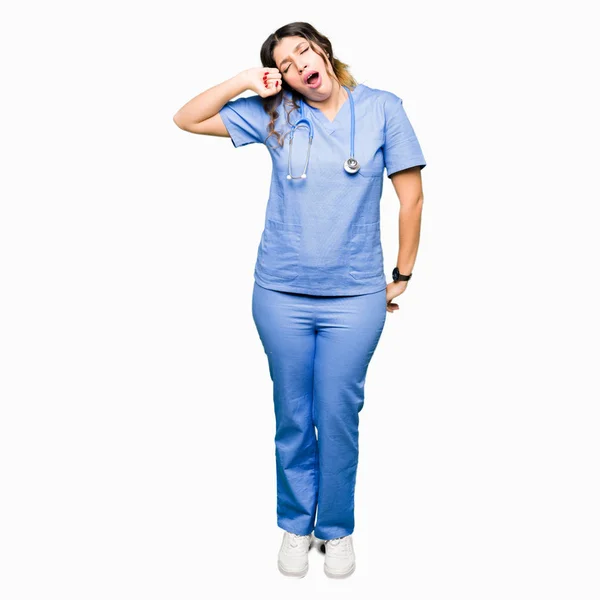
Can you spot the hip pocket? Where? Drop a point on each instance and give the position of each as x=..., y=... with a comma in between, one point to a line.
x=366, y=255
x=278, y=251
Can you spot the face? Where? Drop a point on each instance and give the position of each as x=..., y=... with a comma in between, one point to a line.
x=295, y=59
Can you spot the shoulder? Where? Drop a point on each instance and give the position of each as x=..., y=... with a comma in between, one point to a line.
x=258, y=103
x=381, y=97
x=243, y=106
x=252, y=101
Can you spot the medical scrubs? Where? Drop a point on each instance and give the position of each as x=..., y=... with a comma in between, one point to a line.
x=322, y=234
x=319, y=298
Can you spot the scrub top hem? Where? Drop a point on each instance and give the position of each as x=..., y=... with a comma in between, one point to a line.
x=340, y=291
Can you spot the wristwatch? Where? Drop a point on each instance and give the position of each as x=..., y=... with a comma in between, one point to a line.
x=397, y=276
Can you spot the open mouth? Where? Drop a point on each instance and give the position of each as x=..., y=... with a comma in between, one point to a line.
x=313, y=80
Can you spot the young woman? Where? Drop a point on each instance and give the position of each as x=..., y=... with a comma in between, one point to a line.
x=320, y=295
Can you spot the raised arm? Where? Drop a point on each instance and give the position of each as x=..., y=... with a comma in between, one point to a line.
x=201, y=113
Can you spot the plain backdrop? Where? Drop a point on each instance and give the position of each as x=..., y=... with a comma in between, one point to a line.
x=137, y=455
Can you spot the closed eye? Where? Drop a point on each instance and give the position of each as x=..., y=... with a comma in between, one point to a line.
x=303, y=51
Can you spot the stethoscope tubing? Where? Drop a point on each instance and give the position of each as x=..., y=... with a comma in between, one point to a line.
x=350, y=165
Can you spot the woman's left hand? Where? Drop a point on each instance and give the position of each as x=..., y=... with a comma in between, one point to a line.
x=394, y=289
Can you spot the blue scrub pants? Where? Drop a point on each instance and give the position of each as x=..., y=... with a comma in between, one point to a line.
x=318, y=349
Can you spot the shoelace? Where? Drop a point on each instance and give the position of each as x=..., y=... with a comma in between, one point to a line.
x=339, y=546
x=294, y=539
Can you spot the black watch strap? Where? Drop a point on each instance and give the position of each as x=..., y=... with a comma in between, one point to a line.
x=397, y=276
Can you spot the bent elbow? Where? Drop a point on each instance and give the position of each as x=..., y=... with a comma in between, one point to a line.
x=179, y=121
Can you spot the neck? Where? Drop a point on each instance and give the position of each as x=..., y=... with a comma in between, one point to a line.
x=337, y=97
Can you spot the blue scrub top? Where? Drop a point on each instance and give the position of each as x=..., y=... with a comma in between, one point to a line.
x=322, y=234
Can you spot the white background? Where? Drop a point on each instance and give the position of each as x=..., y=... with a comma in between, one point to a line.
x=137, y=424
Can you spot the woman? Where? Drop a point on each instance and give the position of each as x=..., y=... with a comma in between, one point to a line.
x=320, y=295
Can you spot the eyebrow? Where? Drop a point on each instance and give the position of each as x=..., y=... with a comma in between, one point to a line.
x=287, y=58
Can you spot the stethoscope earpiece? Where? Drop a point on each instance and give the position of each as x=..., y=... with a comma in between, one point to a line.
x=350, y=165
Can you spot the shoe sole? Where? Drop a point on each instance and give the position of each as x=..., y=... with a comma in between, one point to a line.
x=335, y=575
x=292, y=573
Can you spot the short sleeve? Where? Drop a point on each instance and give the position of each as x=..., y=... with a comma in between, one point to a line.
x=246, y=120
x=401, y=148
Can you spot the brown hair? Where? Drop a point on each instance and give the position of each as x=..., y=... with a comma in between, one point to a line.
x=312, y=36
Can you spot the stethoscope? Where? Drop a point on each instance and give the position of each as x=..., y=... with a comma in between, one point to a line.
x=350, y=165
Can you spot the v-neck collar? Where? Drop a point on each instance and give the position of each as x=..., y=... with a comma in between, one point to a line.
x=331, y=126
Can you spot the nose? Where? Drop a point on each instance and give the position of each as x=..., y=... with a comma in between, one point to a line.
x=303, y=69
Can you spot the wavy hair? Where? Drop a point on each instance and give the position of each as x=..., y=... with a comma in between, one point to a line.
x=317, y=42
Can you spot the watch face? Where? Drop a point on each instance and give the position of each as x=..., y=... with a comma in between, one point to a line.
x=395, y=274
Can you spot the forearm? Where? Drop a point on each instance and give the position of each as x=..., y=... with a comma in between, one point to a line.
x=210, y=102
x=409, y=231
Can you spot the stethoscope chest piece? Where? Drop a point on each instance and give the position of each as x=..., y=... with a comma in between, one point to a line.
x=351, y=166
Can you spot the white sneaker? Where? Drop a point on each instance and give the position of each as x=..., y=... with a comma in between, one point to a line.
x=339, y=557
x=293, y=554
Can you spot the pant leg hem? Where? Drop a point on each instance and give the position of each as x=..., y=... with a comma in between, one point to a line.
x=291, y=527
x=329, y=533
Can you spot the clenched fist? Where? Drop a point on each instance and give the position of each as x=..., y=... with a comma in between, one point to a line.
x=265, y=81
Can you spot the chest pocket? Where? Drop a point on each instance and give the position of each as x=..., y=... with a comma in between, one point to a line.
x=278, y=252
